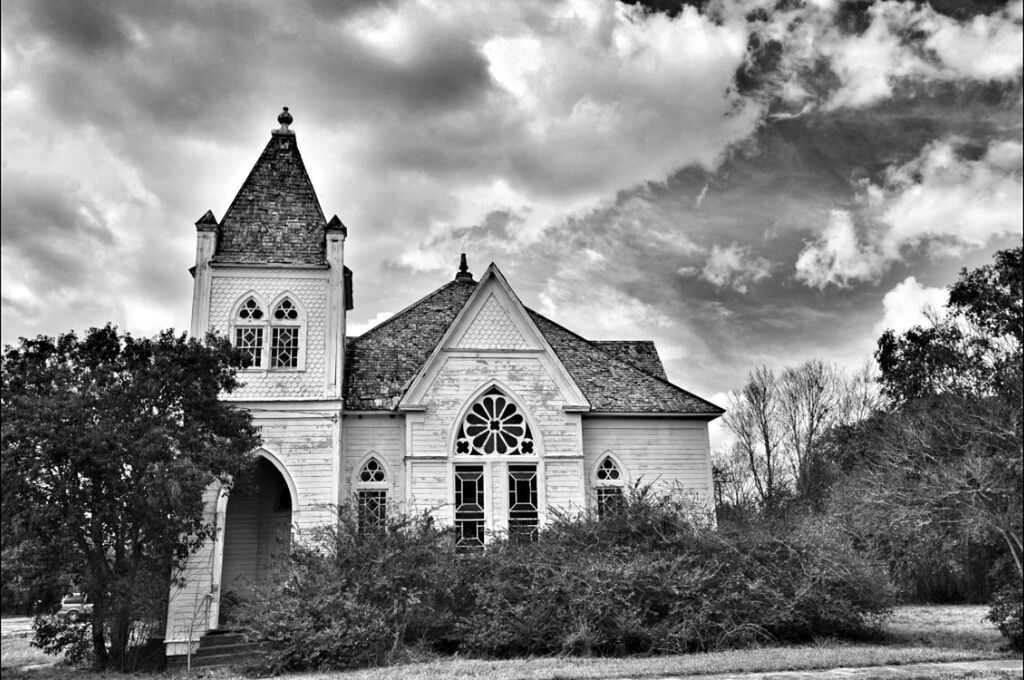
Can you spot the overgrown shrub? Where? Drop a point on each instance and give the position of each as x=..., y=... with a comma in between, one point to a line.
x=653, y=577
x=60, y=636
x=1007, y=613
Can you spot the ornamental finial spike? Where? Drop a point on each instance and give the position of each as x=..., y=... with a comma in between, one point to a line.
x=464, y=273
x=285, y=119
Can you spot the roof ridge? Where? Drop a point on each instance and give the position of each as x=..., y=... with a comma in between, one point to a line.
x=409, y=308
x=591, y=343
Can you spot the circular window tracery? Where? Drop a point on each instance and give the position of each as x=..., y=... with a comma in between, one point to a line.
x=250, y=310
x=494, y=425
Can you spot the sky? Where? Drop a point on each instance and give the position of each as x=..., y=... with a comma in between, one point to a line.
x=746, y=183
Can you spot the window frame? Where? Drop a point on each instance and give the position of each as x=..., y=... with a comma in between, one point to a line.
x=363, y=489
x=267, y=327
x=602, y=488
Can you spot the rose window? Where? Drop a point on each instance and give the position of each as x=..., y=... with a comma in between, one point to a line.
x=494, y=425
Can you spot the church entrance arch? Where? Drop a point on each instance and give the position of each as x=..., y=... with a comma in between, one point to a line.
x=257, y=533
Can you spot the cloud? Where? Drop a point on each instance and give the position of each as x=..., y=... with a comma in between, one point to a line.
x=838, y=256
x=950, y=201
x=734, y=267
x=908, y=304
x=942, y=199
x=851, y=55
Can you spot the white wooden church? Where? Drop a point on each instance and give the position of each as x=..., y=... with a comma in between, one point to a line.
x=466, y=403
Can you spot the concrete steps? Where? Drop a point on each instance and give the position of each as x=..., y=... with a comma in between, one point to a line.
x=222, y=648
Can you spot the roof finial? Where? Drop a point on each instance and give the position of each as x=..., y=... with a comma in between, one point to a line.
x=464, y=273
x=285, y=119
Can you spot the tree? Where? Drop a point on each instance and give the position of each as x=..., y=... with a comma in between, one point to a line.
x=952, y=456
x=108, y=443
x=780, y=421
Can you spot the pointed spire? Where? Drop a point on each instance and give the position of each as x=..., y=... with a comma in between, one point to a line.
x=336, y=225
x=207, y=221
x=464, y=273
x=275, y=216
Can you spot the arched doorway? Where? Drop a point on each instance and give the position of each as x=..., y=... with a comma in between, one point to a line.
x=257, y=533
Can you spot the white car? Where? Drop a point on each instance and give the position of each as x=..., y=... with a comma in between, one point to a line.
x=74, y=606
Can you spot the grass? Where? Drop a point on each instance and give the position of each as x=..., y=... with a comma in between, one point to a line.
x=914, y=635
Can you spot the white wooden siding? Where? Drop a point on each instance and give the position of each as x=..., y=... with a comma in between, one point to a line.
x=667, y=452
x=385, y=436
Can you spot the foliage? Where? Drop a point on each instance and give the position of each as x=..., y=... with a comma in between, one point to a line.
x=56, y=635
x=780, y=422
x=653, y=577
x=1007, y=613
x=108, y=444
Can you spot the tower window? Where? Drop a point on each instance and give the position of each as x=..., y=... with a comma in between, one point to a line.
x=271, y=341
x=284, y=348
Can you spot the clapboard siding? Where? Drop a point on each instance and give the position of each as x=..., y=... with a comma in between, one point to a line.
x=429, y=488
x=668, y=452
x=187, y=605
x=529, y=382
x=305, y=446
x=384, y=435
x=564, y=485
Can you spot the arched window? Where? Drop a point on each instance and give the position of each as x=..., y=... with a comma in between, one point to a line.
x=608, y=486
x=249, y=326
x=284, y=335
x=494, y=425
x=269, y=341
x=372, y=496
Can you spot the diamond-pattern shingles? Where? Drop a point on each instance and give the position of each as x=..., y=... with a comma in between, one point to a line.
x=308, y=382
x=492, y=329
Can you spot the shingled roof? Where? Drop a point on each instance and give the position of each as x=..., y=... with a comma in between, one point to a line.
x=614, y=376
x=275, y=216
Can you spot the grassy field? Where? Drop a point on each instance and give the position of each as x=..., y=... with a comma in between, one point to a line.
x=913, y=635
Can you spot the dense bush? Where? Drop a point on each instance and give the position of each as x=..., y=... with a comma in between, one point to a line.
x=55, y=635
x=652, y=578
x=1007, y=613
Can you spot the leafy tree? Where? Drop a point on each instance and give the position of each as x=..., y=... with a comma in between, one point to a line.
x=108, y=442
x=955, y=451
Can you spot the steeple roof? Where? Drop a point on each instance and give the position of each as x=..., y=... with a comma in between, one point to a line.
x=275, y=216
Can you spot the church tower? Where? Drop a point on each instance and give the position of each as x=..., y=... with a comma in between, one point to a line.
x=271, y=277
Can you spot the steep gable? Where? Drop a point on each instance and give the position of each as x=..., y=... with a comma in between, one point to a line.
x=275, y=217
x=615, y=376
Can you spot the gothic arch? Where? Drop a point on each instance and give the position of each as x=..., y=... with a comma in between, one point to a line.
x=453, y=435
x=623, y=479
x=389, y=475
x=237, y=306
x=283, y=471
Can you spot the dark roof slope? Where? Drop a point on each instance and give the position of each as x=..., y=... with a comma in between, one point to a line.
x=612, y=385
x=640, y=353
x=381, y=363
x=276, y=216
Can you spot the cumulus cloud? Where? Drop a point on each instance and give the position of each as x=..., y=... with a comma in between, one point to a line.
x=838, y=256
x=942, y=200
x=908, y=304
x=734, y=267
x=844, y=55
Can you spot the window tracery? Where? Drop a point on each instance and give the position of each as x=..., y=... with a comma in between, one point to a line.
x=494, y=425
x=609, y=482
x=269, y=341
x=371, y=496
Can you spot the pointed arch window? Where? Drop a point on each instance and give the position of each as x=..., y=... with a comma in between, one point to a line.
x=284, y=335
x=372, y=496
x=494, y=425
x=608, y=486
x=249, y=332
x=269, y=341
